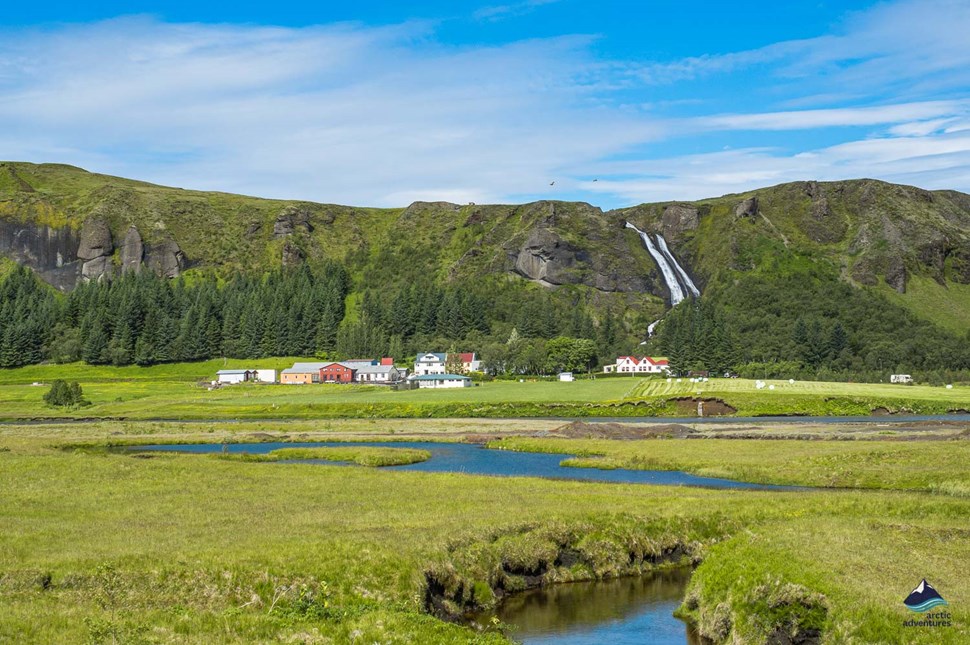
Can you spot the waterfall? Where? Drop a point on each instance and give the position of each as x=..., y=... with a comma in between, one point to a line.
x=669, y=274
x=684, y=278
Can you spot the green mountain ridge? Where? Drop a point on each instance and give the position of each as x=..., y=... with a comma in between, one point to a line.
x=849, y=248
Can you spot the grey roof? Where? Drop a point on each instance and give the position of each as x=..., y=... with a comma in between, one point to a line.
x=234, y=371
x=440, y=357
x=441, y=377
x=375, y=369
x=303, y=368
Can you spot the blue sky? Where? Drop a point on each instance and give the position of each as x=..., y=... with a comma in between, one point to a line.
x=384, y=103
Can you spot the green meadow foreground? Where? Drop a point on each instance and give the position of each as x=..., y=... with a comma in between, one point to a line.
x=177, y=391
x=97, y=546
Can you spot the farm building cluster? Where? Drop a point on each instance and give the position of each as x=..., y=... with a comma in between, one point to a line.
x=431, y=370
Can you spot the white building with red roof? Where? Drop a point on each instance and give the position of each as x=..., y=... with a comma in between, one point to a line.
x=634, y=365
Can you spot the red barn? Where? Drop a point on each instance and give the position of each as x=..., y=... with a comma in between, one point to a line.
x=336, y=373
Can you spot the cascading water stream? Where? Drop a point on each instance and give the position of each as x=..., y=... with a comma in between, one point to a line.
x=684, y=278
x=668, y=272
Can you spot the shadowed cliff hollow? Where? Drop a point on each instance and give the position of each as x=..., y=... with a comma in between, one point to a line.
x=910, y=245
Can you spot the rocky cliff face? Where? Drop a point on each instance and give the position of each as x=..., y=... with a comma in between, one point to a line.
x=575, y=244
x=64, y=257
x=51, y=252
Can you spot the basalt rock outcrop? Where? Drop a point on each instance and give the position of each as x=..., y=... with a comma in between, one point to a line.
x=551, y=260
x=747, y=208
x=547, y=258
x=678, y=219
x=132, y=251
x=293, y=219
x=95, y=250
x=570, y=244
x=166, y=259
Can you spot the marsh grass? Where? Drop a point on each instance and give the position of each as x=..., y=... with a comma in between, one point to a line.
x=361, y=455
x=101, y=547
x=931, y=466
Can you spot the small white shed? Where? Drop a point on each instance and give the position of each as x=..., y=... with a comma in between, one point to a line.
x=235, y=376
x=266, y=376
x=566, y=376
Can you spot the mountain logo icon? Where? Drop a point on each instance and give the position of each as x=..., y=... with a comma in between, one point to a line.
x=924, y=597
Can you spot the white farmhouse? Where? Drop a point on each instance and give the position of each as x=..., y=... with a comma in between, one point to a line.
x=378, y=374
x=430, y=363
x=442, y=380
x=900, y=378
x=634, y=365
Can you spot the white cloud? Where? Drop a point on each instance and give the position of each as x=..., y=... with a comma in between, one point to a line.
x=935, y=161
x=384, y=116
x=839, y=117
x=344, y=113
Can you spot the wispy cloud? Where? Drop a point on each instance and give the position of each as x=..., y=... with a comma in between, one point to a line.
x=836, y=117
x=386, y=115
x=343, y=113
x=938, y=160
x=909, y=46
x=509, y=10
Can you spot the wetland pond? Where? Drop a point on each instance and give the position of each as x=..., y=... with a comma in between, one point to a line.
x=474, y=459
x=623, y=611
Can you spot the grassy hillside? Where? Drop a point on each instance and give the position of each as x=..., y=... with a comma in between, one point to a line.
x=848, y=252
x=910, y=244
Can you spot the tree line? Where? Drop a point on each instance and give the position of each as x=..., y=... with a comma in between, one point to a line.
x=143, y=319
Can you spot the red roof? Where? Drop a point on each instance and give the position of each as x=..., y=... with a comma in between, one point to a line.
x=467, y=357
x=641, y=361
x=387, y=361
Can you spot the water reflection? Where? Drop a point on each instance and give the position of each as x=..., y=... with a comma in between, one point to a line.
x=636, y=610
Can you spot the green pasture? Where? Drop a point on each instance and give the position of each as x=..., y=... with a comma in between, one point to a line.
x=108, y=548
x=179, y=391
x=182, y=372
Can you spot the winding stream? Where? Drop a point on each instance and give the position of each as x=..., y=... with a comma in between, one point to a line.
x=474, y=459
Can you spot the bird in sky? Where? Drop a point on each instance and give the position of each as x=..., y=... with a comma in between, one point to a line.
x=552, y=183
